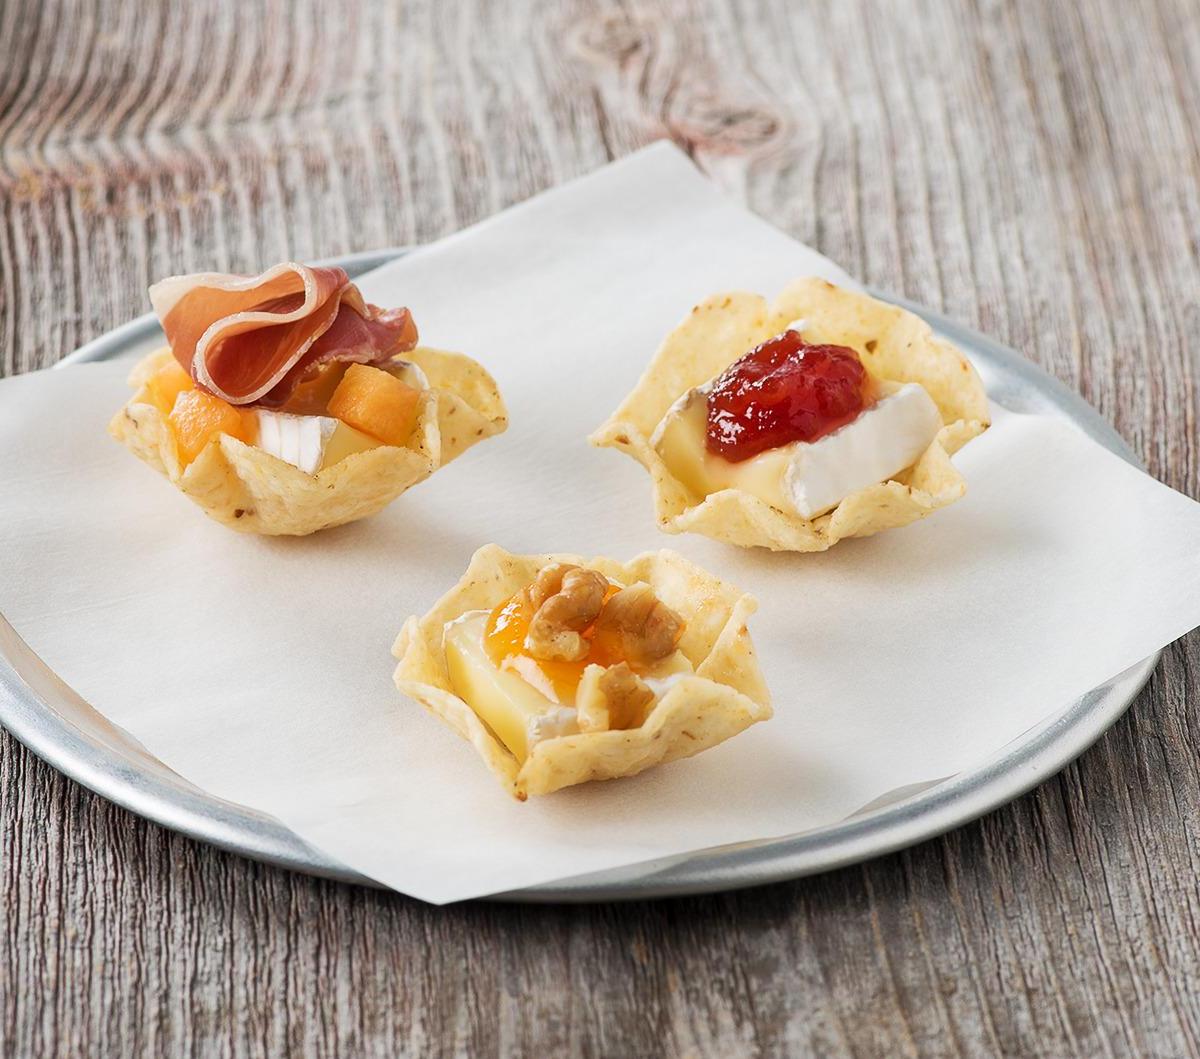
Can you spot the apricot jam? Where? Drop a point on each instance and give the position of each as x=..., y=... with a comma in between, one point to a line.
x=783, y=391
x=504, y=640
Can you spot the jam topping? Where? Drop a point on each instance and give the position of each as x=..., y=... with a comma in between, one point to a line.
x=504, y=640
x=783, y=391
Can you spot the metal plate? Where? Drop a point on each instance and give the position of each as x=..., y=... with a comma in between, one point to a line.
x=59, y=726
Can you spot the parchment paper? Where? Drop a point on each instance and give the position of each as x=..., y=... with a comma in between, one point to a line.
x=260, y=669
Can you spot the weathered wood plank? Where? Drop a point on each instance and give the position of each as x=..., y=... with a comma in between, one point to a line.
x=1032, y=168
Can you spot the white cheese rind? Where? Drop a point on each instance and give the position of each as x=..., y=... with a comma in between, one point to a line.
x=879, y=444
x=411, y=374
x=309, y=442
x=661, y=685
x=562, y=720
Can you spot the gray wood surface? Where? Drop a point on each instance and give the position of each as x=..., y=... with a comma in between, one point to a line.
x=1029, y=167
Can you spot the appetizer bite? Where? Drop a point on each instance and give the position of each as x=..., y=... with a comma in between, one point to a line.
x=284, y=403
x=828, y=415
x=561, y=670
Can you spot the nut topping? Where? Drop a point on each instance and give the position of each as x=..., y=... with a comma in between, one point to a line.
x=611, y=699
x=568, y=600
x=547, y=583
x=627, y=696
x=647, y=627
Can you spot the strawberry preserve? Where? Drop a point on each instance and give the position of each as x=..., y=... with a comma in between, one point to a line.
x=783, y=391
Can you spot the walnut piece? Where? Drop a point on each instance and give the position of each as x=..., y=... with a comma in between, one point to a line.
x=627, y=694
x=567, y=600
x=548, y=582
x=648, y=628
x=611, y=699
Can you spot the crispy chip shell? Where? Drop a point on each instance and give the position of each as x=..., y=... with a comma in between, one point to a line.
x=893, y=343
x=726, y=694
x=250, y=490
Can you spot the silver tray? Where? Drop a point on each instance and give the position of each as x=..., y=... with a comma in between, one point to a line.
x=61, y=728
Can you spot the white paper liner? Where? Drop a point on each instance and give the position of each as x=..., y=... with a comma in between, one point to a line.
x=260, y=669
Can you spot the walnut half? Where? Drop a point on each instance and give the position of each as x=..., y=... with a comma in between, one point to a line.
x=567, y=599
x=611, y=699
x=647, y=627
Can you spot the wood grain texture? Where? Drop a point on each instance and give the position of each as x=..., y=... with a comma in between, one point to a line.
x=1031, y=168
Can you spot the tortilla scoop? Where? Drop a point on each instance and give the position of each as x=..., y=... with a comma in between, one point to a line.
x=894, y=345
x=725, y=695
x=252, y=491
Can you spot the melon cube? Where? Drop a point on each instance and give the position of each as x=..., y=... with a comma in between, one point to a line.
x=376, y=403
x=167, y=383
x=197, y=417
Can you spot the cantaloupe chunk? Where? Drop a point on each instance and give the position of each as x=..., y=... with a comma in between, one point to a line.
x=167, y=383
x=196, y=417
x=376, y=403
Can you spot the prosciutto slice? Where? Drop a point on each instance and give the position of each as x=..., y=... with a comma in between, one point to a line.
x=254, y=339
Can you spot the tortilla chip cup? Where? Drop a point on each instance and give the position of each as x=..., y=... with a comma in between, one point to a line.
x=893, y=343
x=250, y=490
x=726, y=694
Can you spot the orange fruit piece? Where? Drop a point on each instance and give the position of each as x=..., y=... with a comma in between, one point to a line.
x=167, y=383
x=196, y=417
x=376, y=403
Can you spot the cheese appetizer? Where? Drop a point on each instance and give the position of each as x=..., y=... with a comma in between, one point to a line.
x=284, y=403
x=828, y=415
x=561, y=670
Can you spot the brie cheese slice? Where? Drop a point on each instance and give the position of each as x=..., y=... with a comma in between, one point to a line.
x=311, y=443
x=516, y=712
x=805, y=477
x=411, y=374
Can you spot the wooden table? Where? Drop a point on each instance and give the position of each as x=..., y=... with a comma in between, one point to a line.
x=1030, y=168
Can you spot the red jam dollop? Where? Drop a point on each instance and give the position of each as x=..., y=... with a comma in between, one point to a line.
x=783, y=391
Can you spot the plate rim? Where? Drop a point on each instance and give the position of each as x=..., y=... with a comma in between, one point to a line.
x=100, y=759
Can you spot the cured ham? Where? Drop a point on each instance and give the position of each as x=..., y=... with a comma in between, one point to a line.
x=254, y=339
